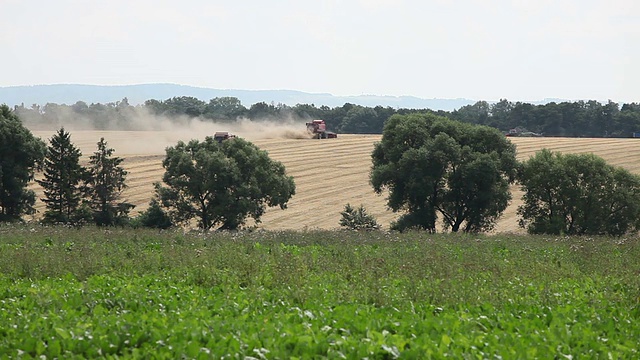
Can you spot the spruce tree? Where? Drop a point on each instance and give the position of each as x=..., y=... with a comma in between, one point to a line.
x=63, y=176
x=358, y=219
x=105, y=184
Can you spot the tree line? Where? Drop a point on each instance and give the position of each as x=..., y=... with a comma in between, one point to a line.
x=570, y=119
x=438, y=173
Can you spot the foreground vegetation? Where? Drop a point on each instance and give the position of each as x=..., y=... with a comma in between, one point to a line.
x=89, y=292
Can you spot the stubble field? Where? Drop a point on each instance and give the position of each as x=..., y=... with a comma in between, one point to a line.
x=328, y=173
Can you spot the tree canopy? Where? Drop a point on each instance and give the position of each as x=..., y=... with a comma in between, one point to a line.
x=432, y=165
x=577, y=194
x=105, y=184
x=221, y=184
x=63, y=176
x=579, y=118
x=20, y=153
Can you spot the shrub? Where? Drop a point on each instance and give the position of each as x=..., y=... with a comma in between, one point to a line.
x=154, y=217
x=358, y=219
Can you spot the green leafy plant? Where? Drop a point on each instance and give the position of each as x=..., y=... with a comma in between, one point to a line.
x=112, y=292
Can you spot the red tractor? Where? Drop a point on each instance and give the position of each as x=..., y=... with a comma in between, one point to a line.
x=318, y=129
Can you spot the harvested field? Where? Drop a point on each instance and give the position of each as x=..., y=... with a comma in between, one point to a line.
x=328, y=173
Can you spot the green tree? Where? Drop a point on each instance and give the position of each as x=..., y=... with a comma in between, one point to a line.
x=184, y=105
x=224, y=108
x=477, y=113
x=628, y=120
x=432, y=165
x=154, y=217
x=358, y=219
x=359, y=120
x=62, y=180
x=221, y=184
x=334, y=117
x=262, y=110
x=549, y=120
x=577, y=194
x=105, y=184
x=20, y=154
x=499, y=117
x=309, y=111
x=155, y=107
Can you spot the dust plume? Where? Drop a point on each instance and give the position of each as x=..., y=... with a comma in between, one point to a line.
x=140, y=132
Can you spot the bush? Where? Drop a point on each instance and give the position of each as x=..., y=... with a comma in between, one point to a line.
x=154, y=217
x=358, y=219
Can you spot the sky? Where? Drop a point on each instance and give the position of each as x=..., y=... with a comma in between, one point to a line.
x=520, y=50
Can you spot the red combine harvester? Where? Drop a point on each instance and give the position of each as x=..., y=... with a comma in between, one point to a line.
x=318, y=129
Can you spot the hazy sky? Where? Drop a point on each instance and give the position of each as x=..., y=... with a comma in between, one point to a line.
x=482, y=50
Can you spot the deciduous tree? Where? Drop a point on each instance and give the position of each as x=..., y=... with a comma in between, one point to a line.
x=221, y=184
x=577, y=194
x=224, y=108
x=432, y=165
x=20, y=153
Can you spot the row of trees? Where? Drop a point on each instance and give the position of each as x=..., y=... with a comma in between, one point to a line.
x=573, y=119
x=77, y=194
x=72, y=193
x=348, y=118
x=437, y=171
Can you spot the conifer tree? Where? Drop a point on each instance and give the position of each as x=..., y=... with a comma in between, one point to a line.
x=358, y=219
x=105, y=184
x=62, y=181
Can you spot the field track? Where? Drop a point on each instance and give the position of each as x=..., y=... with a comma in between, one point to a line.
x=328, y=173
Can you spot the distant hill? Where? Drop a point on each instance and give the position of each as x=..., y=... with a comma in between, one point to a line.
x=137, y=94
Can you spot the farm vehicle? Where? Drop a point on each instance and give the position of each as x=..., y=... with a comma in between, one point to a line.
x=221, y=136
x=318, y=130
x=521, y=132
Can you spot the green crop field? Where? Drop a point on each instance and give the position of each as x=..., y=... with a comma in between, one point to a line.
x=118, y=293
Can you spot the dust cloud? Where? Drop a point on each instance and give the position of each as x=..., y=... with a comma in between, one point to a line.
x=143, y=133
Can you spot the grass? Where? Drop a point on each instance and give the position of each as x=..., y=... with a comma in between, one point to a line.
x=276, y=295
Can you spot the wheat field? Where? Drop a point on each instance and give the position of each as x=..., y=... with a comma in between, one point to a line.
x=328, y=173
